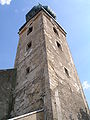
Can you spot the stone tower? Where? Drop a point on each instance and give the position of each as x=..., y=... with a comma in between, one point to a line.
x=46, y=76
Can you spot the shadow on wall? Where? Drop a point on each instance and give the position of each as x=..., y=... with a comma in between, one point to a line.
x=7, y=86
x=82, y=115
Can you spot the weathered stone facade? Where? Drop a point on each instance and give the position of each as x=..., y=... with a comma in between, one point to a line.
x=46, y=75
x=7, y=85
x=66, y=91
x=32, y=90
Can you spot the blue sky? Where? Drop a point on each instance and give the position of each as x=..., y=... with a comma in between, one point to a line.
x=72, y=15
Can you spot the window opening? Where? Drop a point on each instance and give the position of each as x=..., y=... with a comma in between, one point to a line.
x=54, y=29
x=29, y=30
x=66, y=71
x=59, y=45
x=28, y=70
x=29, y=45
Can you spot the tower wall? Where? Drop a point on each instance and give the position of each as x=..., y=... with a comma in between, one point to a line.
x=46, y=75
x=32, y=90
x=68, y=100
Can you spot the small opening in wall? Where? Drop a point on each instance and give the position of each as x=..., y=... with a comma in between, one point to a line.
x=29, y=45
x=66, y=71
x=29, y=30
x=28, y=70
x=54, y=29
x=30, y=24
x=59, y=45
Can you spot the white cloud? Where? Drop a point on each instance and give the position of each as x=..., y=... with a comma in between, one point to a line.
x=86, y=85
x=3, y=2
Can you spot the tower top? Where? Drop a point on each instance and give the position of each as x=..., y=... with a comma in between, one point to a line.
x=35, y=10
x=38, y=8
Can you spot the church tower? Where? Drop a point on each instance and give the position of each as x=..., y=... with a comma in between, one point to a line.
x=47, y=80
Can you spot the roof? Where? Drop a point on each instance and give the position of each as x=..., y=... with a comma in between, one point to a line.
x=35, y=10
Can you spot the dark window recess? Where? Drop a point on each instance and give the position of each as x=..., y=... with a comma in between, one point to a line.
x=28, y=70
x=66, y=71
x=59, y=45
x=29, y=30
x=54, y=29
x=29, y=45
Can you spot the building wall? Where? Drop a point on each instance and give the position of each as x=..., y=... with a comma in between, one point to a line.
x=7, y=85
x=68, y=101
x=32, y=90
x=45, y=76
x=52, y=82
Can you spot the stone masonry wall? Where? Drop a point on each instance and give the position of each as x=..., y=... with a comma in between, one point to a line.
x=52, y=82
x=44, y=76
x=32, y=90
x=68, y=102
x=7, y=85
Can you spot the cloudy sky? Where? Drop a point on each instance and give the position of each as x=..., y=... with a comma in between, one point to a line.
x=72, y=15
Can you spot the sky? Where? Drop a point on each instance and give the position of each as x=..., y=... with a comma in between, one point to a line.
x=72, y=15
